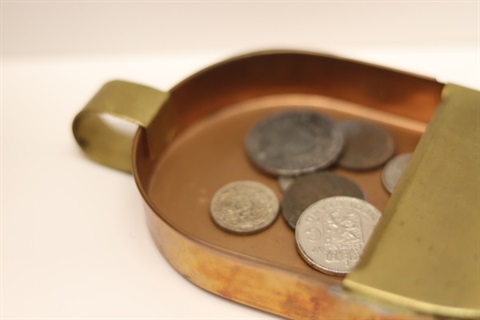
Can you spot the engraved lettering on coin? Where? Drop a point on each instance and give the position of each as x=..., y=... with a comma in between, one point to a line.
x=244, y=207
x=310, y=188
x=366, y=145
x=345, y=225
x=294, y=142
x=393, y=170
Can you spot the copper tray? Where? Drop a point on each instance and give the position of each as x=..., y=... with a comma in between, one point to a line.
x=195, y=144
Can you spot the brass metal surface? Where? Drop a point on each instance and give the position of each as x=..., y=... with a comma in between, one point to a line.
x=425, y=254
x=129, y=101
x=211, y=112
x=263, y=270
x=194, y=144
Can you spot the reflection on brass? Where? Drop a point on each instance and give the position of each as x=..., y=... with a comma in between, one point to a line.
x=425, y=253
x=132, y=102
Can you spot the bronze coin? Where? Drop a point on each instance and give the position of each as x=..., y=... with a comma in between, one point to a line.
x=310, y=188
x=366, y=145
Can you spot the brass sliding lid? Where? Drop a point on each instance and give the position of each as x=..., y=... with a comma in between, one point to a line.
x=425, y=254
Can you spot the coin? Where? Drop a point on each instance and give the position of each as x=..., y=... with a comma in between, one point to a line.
x=310, y=188
x=294, y=142
x=367, y=145
x=393, y=170
x=244, y=207
x=285, y=181
x=331, y=234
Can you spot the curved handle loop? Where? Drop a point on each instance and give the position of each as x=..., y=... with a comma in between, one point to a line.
x=129, y=101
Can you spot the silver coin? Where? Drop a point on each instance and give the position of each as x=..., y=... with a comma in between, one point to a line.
x=393, y=170
x=285, y=181
x=331, y=234
x=366, y=145
x=244, y=207
x=294, y=142
x=310, y=188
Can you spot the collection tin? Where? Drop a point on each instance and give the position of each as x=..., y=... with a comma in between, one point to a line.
x=191, y=142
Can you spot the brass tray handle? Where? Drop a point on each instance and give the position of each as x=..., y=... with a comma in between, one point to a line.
x=129, y=101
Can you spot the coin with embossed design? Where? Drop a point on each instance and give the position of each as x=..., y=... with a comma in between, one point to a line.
x=244, y=207
x=310, y=188
x=367, y=145
x=294, y=142
x=331, y=234
x=393, y=170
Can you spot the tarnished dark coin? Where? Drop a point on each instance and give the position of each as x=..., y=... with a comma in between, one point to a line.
x=331, y=234
x=367, y=145
x=393, y=170
x=244, y=207
x=310, y=188
x=294, y=142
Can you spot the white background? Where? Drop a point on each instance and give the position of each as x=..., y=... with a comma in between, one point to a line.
x=74, y=241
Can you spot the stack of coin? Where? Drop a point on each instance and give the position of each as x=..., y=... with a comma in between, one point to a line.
x=329, y=213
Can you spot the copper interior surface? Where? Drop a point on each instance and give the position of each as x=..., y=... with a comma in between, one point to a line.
x=212, y=111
